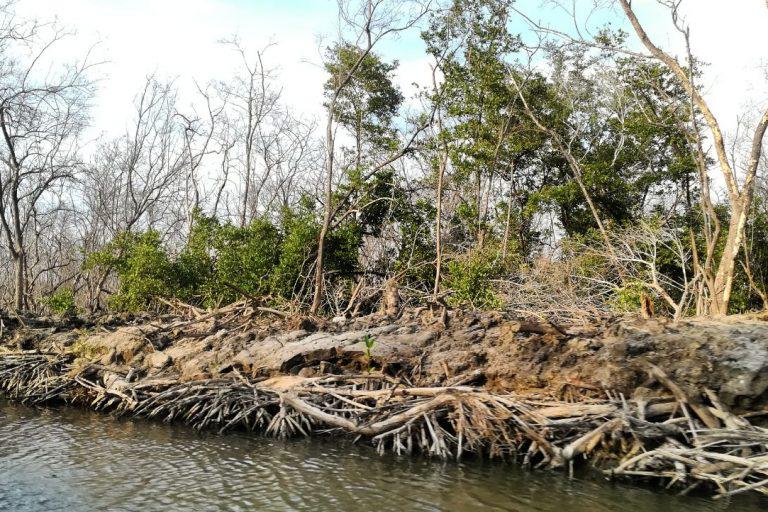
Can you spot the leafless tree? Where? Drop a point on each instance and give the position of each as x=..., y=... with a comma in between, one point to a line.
x=132, y=179
x=198, y=130
x=137, y=181
x=252, y=111
x=42, y=112
x=641, y=250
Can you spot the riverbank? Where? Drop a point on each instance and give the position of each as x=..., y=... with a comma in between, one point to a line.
x=682, y=403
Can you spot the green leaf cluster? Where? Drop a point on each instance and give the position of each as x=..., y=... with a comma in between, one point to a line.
x=61, y=302
x=470, y=278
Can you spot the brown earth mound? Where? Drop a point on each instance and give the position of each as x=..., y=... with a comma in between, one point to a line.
x=681, y=403
x=491, y=349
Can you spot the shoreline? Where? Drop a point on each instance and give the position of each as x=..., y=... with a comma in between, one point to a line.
x=661, y=431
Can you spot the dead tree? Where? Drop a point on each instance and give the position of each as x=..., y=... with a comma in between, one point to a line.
x=42, y=113
x=251, y=100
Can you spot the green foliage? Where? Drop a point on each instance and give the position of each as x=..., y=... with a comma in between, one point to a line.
x=369, y=342
x=195, y=265
x=369, y=101
x=469, y=278
x=217, y=265
x=417, y=247
x=142, y=266
x=245, y=258
x=61, y=302
x=343, y=247
x=627, y=298
x=300, y=232
x=486, y=132
x=753, y=260
x=630, y=142
x=222, y=262
x=504, y=175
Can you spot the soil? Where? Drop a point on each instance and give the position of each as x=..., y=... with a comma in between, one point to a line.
x=493, y=349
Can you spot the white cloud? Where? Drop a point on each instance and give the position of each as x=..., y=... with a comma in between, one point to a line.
x=732, y=38
x=178, y=39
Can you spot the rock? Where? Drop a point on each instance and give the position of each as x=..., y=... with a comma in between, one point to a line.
x=747, y=366
x=199, y=367
x=291, y=352
x=729, y=356
x=157, y=360
x=126, y=342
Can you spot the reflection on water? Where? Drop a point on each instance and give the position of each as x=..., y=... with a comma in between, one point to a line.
x=71, y=460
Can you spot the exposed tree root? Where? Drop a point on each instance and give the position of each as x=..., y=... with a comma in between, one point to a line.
x=662, y=438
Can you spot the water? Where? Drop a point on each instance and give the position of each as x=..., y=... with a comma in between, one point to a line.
x=72, y=460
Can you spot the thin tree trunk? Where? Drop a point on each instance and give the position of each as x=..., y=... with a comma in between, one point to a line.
x=508, y=223
x=328, y=207
x=438, y=219
x=19, y=280
x=723, y=284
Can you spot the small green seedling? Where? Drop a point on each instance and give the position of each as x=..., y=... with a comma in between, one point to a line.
x=369, y=341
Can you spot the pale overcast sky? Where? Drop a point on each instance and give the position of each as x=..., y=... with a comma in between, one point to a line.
x=179, y=39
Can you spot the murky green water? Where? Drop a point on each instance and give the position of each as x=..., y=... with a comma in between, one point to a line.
x=70, y=460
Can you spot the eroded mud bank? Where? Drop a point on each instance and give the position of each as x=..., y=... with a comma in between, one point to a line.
x=646, y=399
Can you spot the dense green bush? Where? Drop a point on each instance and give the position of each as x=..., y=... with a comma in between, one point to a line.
x=142, y=267
x=628, y=298
x=222, y=262
x=61, y=302
x=299, y=244
x=244, y=260
x=470, y=280
x=195, y=264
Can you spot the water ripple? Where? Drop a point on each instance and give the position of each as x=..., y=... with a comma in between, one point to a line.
x=70, y=460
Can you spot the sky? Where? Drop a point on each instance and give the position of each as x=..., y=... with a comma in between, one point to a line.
x=181, y=40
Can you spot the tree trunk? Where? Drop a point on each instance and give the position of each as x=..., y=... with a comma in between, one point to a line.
x=438, y=222
x=19, y=267
x=327, y=210
x=508, y=223
x=724, y=277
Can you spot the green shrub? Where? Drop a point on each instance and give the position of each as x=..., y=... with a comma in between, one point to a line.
x=470, y=280
x=142, y=266
x=628, y=298
x=244, y=260
x=221, y=262
x=194, y=266
x=61, y=302
x=300, y=232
